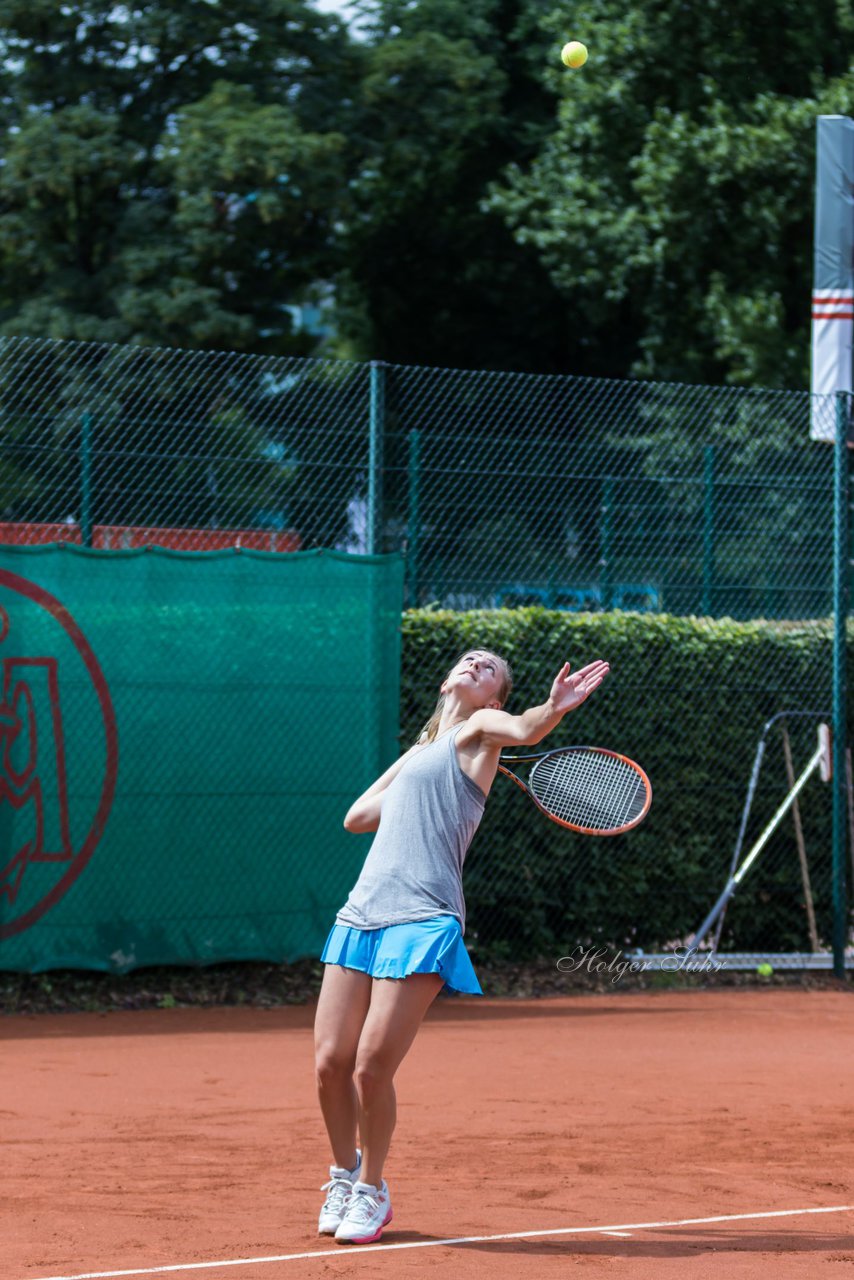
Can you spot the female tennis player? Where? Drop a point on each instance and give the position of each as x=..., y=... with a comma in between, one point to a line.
x=398, y=939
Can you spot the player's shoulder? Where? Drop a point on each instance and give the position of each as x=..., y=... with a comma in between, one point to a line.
x=481, y=724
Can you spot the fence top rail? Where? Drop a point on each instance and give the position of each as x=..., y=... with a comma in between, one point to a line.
x=18, y=344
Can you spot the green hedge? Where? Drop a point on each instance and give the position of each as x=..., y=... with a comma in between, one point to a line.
x=687, y=698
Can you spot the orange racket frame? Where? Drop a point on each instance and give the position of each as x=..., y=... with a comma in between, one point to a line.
x=562, y=822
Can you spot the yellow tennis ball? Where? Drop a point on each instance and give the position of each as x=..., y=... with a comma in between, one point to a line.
x=574, y=54
x=765, y=970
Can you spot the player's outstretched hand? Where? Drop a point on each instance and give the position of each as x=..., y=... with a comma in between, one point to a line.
x=571, y=688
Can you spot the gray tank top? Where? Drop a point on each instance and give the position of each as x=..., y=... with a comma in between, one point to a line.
x=414, y=867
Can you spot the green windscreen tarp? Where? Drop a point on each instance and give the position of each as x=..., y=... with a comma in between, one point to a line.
x=180, y=737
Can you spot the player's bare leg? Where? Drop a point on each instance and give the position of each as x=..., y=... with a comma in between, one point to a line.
x=345, y=996
x=397, y=1008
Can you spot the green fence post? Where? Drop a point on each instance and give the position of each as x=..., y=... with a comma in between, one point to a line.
x=840, y=729
x=86, y=479
x=413, y=522
x=708, y=529
x=375, y=457
x=605, y=533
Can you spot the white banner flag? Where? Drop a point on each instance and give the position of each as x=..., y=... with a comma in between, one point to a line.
x=833, y=271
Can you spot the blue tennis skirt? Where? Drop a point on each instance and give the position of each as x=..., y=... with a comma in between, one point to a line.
x=424, y=946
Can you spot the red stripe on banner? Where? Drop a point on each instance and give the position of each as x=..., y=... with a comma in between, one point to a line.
x=833, y=315
x=834, y=296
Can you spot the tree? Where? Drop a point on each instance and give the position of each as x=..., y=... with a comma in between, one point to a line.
x=447, y=99
x=673, y=198
x=253, y=203
x=182, y=173
x=172, y=171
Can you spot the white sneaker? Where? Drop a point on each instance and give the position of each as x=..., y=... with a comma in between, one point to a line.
x=338, y=1191
x=368, y=1211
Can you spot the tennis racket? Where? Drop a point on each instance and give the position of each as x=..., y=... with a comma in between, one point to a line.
x=586, y=789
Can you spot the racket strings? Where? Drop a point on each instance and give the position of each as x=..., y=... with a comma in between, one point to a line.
x=589, y=789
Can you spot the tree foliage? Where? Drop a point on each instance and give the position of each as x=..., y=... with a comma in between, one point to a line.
x=448, y=98
x=673, y=198
x=183, y=173
x=172, y=171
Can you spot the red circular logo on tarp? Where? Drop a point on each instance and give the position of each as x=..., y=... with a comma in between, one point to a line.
x=48, y=674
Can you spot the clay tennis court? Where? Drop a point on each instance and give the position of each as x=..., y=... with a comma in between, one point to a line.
x=586, y=1130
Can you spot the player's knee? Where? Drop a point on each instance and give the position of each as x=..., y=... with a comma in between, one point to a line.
x=332, y=1065
x=371, y=1074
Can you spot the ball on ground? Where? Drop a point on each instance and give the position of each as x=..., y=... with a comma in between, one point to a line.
x=765, y=969
x=574, y=54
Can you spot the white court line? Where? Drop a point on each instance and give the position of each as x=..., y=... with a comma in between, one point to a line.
x=358, y=1249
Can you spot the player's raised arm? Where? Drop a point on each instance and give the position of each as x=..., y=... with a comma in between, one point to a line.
x=569, y=689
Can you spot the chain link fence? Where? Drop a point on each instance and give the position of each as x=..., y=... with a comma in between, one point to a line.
x=122, y=446
x=696, y=521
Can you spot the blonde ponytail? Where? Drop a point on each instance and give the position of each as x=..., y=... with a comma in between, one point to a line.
x=431, y=728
